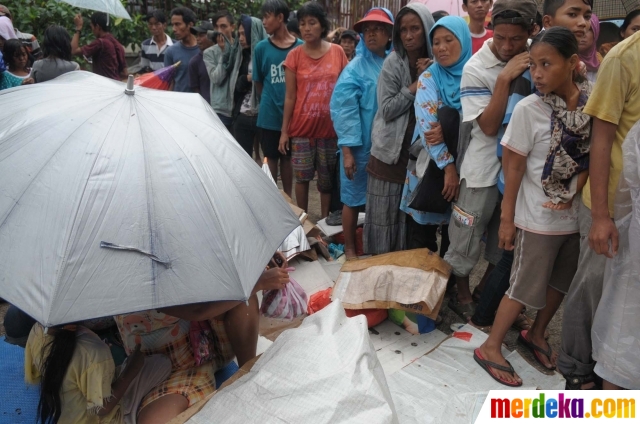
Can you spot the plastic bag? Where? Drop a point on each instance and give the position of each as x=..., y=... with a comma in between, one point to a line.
x=288, y=303
x=201, y=336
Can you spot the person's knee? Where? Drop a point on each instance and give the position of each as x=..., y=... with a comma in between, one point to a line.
x=163, y=410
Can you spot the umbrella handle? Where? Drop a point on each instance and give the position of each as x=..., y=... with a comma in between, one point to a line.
x=107, y=245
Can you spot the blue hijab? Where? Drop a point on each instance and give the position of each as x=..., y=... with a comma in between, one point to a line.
x=448, y=78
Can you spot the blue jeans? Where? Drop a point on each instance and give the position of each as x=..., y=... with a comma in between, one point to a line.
x=497, y=285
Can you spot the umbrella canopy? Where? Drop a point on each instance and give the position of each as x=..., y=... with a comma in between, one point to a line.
x=113, y=203
x=614, y=9
x=111, y=7
x=452, y=7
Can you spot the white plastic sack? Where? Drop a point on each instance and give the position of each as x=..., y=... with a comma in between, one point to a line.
x=325, y=371
x=615, y=333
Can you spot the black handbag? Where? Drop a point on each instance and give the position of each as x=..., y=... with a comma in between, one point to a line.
x=427, y=196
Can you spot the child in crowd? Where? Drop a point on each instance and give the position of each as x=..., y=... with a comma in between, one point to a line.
x=78, y=379
x=269, y=79
x=478, y=11
x=311, y=72
x=543, y=163
x=16, y=59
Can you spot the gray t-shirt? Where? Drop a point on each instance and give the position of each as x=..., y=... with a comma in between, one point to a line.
x=48, y=69
x=179, y=52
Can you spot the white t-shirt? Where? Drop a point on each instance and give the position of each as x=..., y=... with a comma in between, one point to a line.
x=529, y=134
x=480, y=167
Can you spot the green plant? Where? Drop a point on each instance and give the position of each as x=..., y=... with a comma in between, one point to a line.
x=34, y=16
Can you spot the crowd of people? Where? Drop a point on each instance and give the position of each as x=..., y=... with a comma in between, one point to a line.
x=506, y=135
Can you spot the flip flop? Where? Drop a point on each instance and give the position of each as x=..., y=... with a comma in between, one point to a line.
x=487, y=365
x=536, y=350
x=464, y=310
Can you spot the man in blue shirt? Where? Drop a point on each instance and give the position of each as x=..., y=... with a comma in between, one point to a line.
x=268, y=77
x=182, y=20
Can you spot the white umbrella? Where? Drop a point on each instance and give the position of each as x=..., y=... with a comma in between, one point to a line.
x=113, y=203
x=110, y=7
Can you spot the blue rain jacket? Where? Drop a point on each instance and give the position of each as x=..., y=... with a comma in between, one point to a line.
x=353, y=107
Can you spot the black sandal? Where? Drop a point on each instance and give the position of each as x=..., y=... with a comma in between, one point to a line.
x=487, y=365
x=536, y=350
x=575, y=382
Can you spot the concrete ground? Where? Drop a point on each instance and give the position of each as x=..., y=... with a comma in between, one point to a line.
x=448, y=316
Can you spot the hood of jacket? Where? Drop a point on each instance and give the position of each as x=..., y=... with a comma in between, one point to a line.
x=427, y=23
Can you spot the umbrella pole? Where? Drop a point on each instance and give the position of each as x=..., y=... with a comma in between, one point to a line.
x=130, y=90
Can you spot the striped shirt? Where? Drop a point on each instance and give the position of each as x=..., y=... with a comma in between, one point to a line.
x=480, y=167
x=153, y=57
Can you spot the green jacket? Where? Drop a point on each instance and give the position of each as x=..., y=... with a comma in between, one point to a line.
x=223, y=67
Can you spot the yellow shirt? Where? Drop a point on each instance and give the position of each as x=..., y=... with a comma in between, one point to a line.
x=616, y=99
x=87, y=381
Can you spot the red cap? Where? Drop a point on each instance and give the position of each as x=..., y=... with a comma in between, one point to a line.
x=375, y=15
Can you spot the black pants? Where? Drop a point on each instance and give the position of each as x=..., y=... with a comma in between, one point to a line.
x=245, y=130
x=421, y=236
x=497, y=285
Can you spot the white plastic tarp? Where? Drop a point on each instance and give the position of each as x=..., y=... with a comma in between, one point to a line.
x=325, y=371
x=615, y=332
x=184, y=213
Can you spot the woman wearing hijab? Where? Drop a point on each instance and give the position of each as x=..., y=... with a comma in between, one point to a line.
x=245, y=113
x=394, y=128
x=437, y=104
x=589, y=49
x=353, y=106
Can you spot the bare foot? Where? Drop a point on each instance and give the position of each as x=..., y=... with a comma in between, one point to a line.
x=496, y=357
x=559, y=206
x=350, y=254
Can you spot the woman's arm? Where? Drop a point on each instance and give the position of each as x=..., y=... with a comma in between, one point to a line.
x=517, y=166
x=394, y=99
x=289, y=105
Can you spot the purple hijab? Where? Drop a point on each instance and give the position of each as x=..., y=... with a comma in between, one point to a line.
x=590, y=57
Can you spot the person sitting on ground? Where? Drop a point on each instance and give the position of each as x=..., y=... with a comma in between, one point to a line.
x=393, y=129
x=478, y=11
x=233, y=330
x=311, y=72
x=349, y=41
x=437, y=105
x=16, y=58
x=105, y=52
x=545, y=165
x=353, y=106
x=245, y=113
x=56, y=46
x=198, y=76
x=484, y=93
x=78, y=380
x=268, y=76
x=154, y=48
x=184, y=49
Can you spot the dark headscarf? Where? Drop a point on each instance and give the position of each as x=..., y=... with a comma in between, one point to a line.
x=245, y=21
